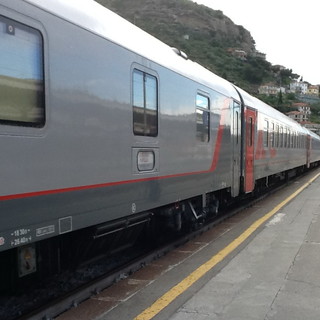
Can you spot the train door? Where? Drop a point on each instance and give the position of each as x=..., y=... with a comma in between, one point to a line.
x=250, y=124
x=236, y=143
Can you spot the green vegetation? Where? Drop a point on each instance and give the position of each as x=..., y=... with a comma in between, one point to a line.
x=208, y=37
x=282, y=102
x=315, y=113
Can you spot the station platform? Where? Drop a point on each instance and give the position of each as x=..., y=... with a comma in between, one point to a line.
x=263, y=263
x=276, y=276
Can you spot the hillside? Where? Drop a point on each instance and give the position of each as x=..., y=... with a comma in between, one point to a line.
x=206, y=35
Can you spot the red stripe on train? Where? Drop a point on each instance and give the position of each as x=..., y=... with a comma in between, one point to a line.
x=109, y=184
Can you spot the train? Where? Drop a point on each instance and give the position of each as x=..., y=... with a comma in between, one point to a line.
x=107, y=134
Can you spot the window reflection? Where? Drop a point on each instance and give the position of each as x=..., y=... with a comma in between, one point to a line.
x=145, y=104
x=266, y=134
x=203, y=118
x=21, y=74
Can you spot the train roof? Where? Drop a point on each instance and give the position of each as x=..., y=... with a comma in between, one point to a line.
x=246, y=97
x=314, y=135
x=101, y=21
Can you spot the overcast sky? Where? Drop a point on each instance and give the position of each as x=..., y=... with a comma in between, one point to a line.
x=287, y=31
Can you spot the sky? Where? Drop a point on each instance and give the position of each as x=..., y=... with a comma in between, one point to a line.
x=286, y=31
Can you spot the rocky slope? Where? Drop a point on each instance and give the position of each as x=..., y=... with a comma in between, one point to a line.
x=206, y=35
x=185, y=19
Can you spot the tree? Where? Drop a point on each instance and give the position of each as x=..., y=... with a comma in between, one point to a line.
x=280, y=100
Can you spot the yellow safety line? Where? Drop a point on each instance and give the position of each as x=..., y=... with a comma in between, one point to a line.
x=186, y=283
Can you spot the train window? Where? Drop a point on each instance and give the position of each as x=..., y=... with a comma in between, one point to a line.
x=293, y=139
x=277, y=137
x=21, y=75
x=305, y=137
x=301, y=141
x=272, y=135
x=202, y=102
x=281, y=137
x=286, y=135
x=285, y=131
x=266, y=133
x=145, y=104
x=236, y=126
x=203, y=118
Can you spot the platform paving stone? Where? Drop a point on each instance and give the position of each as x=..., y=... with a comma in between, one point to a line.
x=276, y=277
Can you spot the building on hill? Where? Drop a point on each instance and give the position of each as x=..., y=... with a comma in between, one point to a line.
x=297, y=116
x=302, y=107
x=258, y=54
x=270, y=89
x=301, y=112
x=238, y=53
x=279, y=67
x=313, y=91
x=299, y=87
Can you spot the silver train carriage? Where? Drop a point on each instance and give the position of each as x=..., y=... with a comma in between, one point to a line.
x=104, y=127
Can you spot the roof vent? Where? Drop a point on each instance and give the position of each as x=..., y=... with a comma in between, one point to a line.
x=180, y=53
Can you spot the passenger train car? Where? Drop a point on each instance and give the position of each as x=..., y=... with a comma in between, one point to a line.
x=107, y=133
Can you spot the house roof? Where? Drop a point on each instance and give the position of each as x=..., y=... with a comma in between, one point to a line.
x=299, y=104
